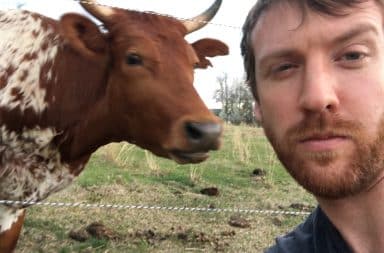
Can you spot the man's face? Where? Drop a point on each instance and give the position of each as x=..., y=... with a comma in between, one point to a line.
x=321, y=95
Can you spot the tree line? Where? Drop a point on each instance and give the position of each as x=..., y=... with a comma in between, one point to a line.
x=236, y=100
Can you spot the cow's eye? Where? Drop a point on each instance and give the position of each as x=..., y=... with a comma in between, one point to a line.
x=133, y=59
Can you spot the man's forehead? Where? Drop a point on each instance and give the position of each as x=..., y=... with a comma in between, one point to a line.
x=275, y=14
x=293, y=14
x=274, y=26
x=279, y=23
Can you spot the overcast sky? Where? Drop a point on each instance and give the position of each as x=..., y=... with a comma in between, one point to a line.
x=226, y=26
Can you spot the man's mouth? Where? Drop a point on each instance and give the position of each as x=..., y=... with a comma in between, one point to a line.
x=322, y=137
x=323, y=141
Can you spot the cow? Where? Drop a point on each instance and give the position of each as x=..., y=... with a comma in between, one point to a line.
x=71, y=85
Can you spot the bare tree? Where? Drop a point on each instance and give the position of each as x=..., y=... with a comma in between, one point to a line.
x=222, y=95
x=236, y=100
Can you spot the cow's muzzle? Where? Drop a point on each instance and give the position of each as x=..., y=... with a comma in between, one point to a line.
x=201, y=138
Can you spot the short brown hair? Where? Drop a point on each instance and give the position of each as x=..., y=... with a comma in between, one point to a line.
x=330, y=7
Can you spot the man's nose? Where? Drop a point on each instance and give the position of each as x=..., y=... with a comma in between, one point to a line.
x=318, y=90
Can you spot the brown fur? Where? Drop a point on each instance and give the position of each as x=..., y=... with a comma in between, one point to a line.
x=8, y=239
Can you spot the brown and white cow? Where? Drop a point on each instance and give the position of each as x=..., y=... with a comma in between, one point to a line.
x=68, y=87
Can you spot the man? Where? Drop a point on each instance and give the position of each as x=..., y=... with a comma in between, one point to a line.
x=316, y=70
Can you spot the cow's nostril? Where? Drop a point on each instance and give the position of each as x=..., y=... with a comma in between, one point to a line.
x=203, y=135
x=194, y=131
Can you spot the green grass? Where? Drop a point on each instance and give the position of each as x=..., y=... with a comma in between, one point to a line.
x=123, y=174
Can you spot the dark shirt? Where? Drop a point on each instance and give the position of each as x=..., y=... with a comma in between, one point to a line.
x=315, y=235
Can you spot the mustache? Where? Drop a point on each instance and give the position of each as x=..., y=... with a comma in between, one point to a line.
x=322, y=126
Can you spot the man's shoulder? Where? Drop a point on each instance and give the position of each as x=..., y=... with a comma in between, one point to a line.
x=298, y=240
x=316, y=234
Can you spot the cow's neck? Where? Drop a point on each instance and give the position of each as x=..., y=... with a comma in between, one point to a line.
x=90, y=133
x=80, y=108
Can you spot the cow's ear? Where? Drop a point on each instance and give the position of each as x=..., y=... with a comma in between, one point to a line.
x=208, y=48
x=83, y=35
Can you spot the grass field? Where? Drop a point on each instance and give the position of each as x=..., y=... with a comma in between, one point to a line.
x=123, y=174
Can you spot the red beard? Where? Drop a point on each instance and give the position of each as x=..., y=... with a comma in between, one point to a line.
x=320, y=172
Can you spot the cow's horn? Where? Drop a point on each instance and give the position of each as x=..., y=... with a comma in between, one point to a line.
x=201, y=20
x=101, y=12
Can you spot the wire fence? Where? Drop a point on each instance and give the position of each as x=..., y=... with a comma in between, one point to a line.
x=158, y=208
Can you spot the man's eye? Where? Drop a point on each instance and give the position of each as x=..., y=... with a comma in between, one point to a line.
x=283, y=67
x=353, y=56
x=353, y=59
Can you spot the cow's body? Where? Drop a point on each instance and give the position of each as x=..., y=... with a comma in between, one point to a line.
x=30, y=167
x=63, y=94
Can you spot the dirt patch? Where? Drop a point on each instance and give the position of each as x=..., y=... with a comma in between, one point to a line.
x=258, y=172
x=96, y=229
x=239, y=222
x=210, y=191
x=80, y=235
x=189, y=237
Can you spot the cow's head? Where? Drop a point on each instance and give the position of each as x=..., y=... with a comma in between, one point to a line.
x=150, y=95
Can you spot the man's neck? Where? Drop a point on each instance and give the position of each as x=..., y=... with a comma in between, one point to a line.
x=359, y=218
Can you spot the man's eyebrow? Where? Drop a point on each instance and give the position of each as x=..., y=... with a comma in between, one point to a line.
x=357, y=30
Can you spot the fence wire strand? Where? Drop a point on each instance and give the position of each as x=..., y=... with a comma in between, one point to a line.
x=147, y=207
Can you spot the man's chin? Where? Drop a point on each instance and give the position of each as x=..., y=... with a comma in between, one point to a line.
x=325, y=177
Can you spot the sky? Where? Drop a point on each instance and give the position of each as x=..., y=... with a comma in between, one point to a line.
x=225, y=26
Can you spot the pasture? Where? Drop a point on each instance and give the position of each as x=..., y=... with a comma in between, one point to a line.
x=245, y=172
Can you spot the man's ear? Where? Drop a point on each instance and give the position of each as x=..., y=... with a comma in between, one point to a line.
x=257, y=113
x=83, y=35
x=208, y=48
